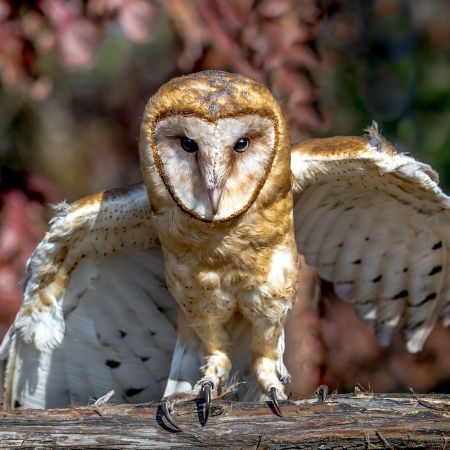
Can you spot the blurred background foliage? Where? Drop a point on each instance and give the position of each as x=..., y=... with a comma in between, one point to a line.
x=75, y=76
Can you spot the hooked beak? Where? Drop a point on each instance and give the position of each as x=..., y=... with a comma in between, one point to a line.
x=214, y=198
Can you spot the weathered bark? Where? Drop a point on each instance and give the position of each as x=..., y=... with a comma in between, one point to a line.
x=345, y=421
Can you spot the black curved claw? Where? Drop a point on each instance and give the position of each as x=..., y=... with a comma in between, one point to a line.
x=165, y=410
x=274, y=398
x=322, y=393
x=206, y=392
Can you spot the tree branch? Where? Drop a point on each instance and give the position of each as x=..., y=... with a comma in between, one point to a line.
x=364, y=420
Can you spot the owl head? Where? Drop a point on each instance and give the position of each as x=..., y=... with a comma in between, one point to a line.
x=214, y=144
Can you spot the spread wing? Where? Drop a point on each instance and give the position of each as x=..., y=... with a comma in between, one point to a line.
x=96, y=315
x=376, y=224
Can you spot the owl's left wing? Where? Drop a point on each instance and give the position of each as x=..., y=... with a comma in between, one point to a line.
x=375, y=223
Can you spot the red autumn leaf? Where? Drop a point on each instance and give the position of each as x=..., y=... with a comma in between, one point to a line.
x=137, y=19
x=274, y=8
x=78, y=42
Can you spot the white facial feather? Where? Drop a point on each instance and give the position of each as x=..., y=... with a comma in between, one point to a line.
x=190, y=175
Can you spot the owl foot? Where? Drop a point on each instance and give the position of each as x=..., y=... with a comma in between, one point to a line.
x=202, y=390
x=274, y=397
x=322, y=393
x=166, y=409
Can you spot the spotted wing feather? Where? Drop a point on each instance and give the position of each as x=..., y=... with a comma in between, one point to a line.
x=376, y=224
x=97, y=315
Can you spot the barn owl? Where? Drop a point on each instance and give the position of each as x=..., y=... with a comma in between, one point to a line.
x=184, y=281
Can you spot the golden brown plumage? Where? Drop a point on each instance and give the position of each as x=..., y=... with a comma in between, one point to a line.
x=216, y=268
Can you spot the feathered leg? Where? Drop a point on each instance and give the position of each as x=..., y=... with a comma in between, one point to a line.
x=215, y=342
x=266, y=357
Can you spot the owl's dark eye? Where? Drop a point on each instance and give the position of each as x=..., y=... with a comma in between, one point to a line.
x=241, y=145
x=189, y=145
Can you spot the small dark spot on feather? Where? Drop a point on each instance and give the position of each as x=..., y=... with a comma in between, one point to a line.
x=435, y=270
x=145, y=358
x=122, y=333
x=17, y=404
x=356, y=261
x=160, y=308
x=377, y=279
x=429, y=297
x=131, y=392
x=113, y=364
x=401, y=294
x=437, y=245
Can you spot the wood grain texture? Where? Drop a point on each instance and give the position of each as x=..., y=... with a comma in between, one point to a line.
x=345, y=421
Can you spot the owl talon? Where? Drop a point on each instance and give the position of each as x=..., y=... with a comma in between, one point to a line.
x=206, y=392
x=322, y=393
x=165, y=409
x=274, y=398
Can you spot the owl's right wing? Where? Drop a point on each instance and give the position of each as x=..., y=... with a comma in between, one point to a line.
x=97, y=315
